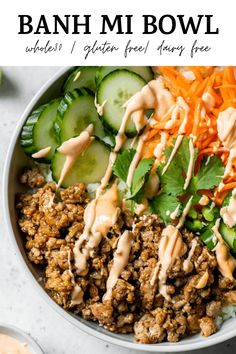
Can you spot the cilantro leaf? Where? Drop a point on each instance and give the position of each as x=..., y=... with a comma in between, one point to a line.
x=122, y=163
x=173, y=179
x=140, y=176
x=164, y=204
x=208, y=176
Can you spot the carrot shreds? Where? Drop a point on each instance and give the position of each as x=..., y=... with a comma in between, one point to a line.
x=210, y=151
x=229, y=70
x=191, y=83
x=229, y=186
x=151, y=134
x=201, y=87
x=193, y=88
x=197, y=72
x=197, y=115
x=220, y=196
x=233, y=86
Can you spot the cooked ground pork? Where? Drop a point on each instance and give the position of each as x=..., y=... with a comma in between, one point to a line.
x=53, y=221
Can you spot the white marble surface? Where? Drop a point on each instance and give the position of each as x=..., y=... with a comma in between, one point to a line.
x=20, y=304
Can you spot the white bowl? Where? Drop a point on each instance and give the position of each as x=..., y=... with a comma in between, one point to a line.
x=15, y=161
x=21, y=336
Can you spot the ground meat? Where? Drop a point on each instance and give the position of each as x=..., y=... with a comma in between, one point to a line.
x=208, y=326
x=230, y=297
x=213, y=308
x=102, y=312
x=52, y=221
x=32, y=178
x=147, y=330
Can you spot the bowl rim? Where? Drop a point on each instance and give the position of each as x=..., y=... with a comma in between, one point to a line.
x=19, y=334
x=175, y=347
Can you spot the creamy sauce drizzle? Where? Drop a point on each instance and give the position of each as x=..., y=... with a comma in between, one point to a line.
x=174, y=116
x=204, y=200
x=72, y=149
x=121, y=258
x=139, y=119
x=209, y=100
x=77, y=295
x=187, y=265
x=226, y=263
x=42, y=153
x=77, y=76
x=99, y=216
x=203, y=280
x=188, y=75
x=171, y=247
x=160, y=146
x=228, y=213
x=141, y=208
x=174, y=214
x=136, y=158
x=100, y=107
x=185, y=213
x=190, y=165
x=10, y=345
x=155, y=96
x=226, y=126
x=182, y=104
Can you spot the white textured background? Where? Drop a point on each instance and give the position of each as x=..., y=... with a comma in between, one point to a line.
x=20, y=305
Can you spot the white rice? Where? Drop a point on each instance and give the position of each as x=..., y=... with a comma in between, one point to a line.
x=227, y=312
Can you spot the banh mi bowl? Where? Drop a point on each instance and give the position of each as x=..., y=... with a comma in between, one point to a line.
x=16, y=160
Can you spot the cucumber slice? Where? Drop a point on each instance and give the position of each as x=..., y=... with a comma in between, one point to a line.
x=229, y=235
x=75, y=112
x=38, y=131
x=89, y=167
x=144, y=71
x=81, y=77
x=116, y=88
x=208, y=238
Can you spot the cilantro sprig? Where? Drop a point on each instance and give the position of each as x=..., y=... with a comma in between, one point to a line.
x=141, y=173
x=122, y=163
x=172, y=181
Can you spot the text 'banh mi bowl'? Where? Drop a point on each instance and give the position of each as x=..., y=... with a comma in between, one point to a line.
x=119, y=192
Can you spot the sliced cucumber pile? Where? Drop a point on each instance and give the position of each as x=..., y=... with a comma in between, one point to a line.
x=63, y=118
x=38, y=130
x=116, y=89
x=90, y=167
x=144, y=71
x=81, y=77
x=75, y=112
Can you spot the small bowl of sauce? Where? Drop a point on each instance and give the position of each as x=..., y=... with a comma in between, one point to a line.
x=15, y=341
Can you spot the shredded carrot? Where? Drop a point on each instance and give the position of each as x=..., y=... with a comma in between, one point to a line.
x=197, y=114
x=220, y=196
x=210, y=151
x=229, y=186
x=201, y=125
x=226, y=86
